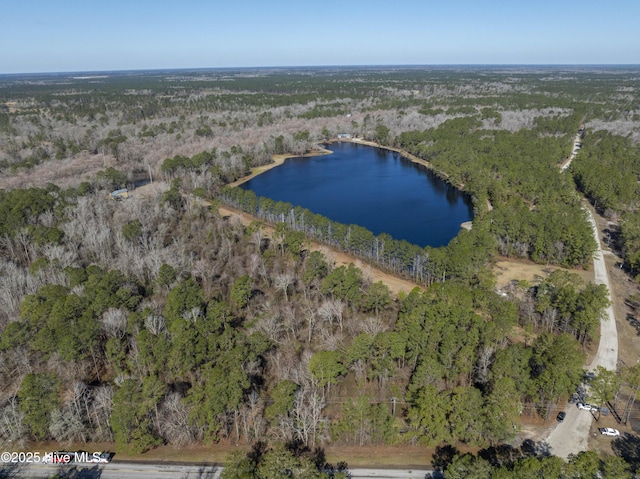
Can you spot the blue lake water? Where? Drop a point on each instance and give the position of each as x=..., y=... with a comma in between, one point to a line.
x=371, y=187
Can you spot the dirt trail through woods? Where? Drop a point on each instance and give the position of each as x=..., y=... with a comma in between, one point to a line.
x=338, y=258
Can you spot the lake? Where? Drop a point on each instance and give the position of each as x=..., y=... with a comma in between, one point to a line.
x=371, y=187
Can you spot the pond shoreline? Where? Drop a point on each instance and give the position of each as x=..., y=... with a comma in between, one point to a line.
x=278, y=159
x=413, y=158
x=347, y=182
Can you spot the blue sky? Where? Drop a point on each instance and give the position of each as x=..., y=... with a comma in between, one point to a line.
x=91, y=35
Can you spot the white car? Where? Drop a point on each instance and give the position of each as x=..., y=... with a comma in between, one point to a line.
x=587, y=407
x=609, y=431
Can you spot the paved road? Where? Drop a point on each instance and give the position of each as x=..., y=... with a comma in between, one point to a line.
x=132, y=470
x=572, y=435
x=115, y=470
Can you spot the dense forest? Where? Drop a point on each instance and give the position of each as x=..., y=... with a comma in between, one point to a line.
x=155, y=320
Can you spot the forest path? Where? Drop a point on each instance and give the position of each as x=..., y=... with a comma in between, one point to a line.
x=338, y=258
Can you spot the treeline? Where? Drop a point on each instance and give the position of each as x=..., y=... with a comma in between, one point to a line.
x=215, y=167
x=630, y=229
x=607, y=170
x=197, y=163
x=564, y=303
x=551, y=233
x=274, y=463
x=460, y=259
x=529, y=462
x=22, y=210
x=468, y=380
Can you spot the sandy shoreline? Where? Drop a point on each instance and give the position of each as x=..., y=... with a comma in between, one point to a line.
x=277, y=161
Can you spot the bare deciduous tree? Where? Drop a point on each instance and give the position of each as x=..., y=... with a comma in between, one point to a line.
x=308, y=420
x=173, y=421
x=283, y=281
x=155, y=324
x=331, y=310
x=114, y=322
x=100, y=411
x=12, y=429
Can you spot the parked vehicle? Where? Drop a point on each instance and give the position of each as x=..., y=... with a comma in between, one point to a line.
x=609, y=431
x=561, y=415
x=587, y=407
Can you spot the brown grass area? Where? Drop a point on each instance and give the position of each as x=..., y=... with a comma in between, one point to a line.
x=507, y=270
x=354, y=456
x=385, y=456
x=150, y=189
x=216, y=453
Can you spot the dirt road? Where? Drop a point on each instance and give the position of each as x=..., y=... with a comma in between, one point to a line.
x=572, y=435
x=338, y=258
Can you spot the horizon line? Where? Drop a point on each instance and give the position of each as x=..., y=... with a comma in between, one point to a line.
x=342, y=66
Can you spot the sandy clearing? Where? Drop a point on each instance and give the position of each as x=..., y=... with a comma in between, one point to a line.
x=507, y=270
